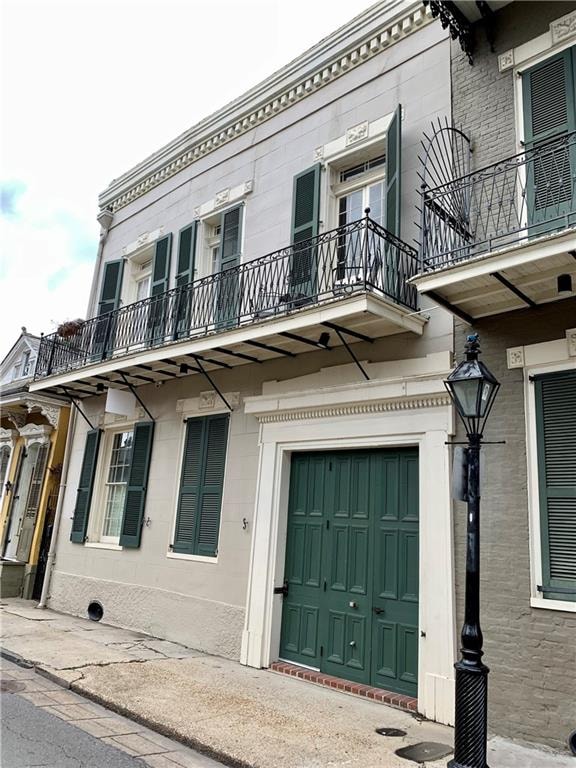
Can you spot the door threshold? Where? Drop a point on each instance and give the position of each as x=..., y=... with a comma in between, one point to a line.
x=398, y=700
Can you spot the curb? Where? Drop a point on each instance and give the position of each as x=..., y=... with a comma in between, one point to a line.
x=198, y=746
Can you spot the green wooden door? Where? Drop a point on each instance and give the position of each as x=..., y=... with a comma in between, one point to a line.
x=352, y=566
x=394, y=511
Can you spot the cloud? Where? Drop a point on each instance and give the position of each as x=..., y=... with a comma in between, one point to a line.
x=47, y=261
x=10, y=193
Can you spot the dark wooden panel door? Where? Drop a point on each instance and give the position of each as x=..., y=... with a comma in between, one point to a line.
x=394, y=510
x=306, y=523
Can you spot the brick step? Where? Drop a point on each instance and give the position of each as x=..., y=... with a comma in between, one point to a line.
x=398, y=700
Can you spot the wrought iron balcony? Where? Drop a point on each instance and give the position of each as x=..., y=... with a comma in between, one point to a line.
x=529, y=195
x=358, y=257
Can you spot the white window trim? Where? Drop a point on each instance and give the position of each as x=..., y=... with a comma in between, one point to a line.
x=97, y=506
x=536, y=359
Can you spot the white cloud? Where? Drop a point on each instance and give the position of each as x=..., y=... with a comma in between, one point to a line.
x=91, y=88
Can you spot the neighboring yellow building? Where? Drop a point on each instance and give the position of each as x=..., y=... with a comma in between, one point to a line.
x=33, y=432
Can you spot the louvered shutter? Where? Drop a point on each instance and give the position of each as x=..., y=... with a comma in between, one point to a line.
x=305, y=226
x=184, y=279
x=161, y=266
x=549, y=97
x=393, y=171
x=556, y=439
x=228, y=287
x=137, y=484
x=216, y=434
x=4, y=461
x=186, y=255
x=111, y=287
x=201, y=485
x=32, y=503
x=85, y=487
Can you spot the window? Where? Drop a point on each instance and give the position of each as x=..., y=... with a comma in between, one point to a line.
x=555, y=406
x=119, y=495
x=115, y=486
x=197, y=526
x=26, y=363
x=143, y=280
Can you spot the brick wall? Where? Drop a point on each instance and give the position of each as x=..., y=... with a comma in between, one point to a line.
x=531, y=652
x=482, y=97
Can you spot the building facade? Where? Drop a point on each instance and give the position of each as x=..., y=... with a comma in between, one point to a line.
x=32, y=439
x=265, y=416
x=499, y=249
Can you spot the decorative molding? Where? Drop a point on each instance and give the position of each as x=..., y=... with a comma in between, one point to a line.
x=318, y=154
x=571, y=339
x=146, y=238
x=515, y=357
x=563, y=27
x=51, y=412
x=399, y=404
x=201, y=145
x=8, y=436
x=207, y=400
x=36, y=433
x=506, y=60
x=16, y=417
x=357, y=133
x=224, y=197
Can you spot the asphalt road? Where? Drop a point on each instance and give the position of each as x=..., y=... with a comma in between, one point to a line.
x=32, y=737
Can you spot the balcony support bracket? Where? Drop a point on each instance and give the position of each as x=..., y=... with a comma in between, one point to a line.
x=209, y=378
x=516, y=291
x=136, y=395
x=450, y=307
x=340, y=334
x=75, y=404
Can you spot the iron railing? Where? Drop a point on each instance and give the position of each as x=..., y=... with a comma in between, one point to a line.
x=526, y=196
x=360, y=256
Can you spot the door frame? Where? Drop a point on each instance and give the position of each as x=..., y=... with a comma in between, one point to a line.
x=386, y=419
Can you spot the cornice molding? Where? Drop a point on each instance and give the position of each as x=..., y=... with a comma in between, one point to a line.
x=355, y=409
x=205, y=139
x=36, y=433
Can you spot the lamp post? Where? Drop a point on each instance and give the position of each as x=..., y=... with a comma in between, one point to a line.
x=473, y=390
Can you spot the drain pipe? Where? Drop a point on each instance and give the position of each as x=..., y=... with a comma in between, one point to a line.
x=58, y=514
x=105, y=219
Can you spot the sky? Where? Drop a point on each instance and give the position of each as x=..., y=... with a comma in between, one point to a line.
x=91, y=87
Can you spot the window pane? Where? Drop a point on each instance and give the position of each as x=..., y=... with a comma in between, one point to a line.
x=376, y=202
x=116, y=484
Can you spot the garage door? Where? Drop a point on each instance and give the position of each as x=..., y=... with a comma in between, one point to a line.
x=352, y=566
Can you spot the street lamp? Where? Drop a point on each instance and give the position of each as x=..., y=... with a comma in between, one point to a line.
x=473, y=390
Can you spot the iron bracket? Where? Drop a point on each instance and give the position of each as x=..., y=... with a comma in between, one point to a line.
x=136, y=395
x=207, y=376
x=80, y=411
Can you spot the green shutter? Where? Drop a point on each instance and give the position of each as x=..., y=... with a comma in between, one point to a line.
x=201, y=485
x=85, y=487
x=305, y=225
x=556, y=440
x=137, y=484
x=228, y=287
x=186, y=255
x=161, y=266
x=549, y=97
x=111, y=287
x=393, y=171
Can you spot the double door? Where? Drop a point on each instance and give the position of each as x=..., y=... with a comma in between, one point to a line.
x=351, y=608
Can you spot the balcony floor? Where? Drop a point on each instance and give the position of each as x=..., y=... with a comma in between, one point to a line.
x=524, y=275
x=363, y=316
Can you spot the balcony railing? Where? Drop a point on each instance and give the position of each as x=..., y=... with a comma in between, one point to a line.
x=358, y=257
x=526, y=196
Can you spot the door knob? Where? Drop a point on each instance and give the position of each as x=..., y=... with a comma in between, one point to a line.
x=352, y=604
x=352, y=643
x=378, y=610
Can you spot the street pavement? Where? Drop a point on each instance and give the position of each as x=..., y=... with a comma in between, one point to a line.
x=44, y=726
x=244, y=717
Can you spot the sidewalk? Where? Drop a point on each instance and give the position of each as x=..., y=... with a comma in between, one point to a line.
x=239, y=715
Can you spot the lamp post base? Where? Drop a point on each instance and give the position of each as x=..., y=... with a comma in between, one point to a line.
x=471, y=721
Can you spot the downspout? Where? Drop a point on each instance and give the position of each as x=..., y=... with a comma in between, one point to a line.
x=105, y=218
x=58, y=514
